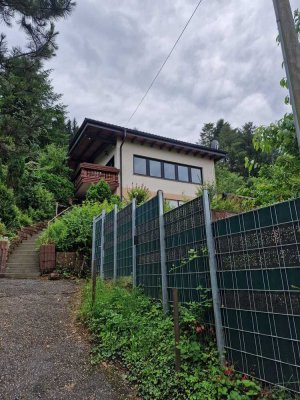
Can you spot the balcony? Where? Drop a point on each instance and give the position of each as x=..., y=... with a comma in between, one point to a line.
x=87, y=173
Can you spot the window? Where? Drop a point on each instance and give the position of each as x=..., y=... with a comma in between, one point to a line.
x=196, y=175
x=169, y=171
x=111, y=162
x=183, y=173
x=175, y=203
x=140, y=166
x=155, y=168
x=166, y=170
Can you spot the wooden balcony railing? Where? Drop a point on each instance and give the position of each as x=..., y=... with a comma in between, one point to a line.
x=87, y=173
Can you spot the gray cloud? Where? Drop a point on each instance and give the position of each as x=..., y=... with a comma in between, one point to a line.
x=227, y=64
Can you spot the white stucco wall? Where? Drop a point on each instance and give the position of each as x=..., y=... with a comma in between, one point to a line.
x=172, y=189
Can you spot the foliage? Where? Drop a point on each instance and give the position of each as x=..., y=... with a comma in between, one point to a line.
x=226, y=193
x=36, y=19
x=99, y=192
x=8, y=210
x=276, y=182
x=42, y=204
x=131, y=328
x=278, y=137
x=73, y=230
x=236, y=142
x=31, y=115
x=139, y=192
x=227, y=181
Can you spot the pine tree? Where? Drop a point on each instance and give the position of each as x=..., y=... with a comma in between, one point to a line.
x=36, y=18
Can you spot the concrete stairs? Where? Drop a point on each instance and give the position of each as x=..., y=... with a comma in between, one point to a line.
x=23, y=262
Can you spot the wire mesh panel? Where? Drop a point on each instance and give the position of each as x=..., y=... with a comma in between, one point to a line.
x=108, y=264
x=98, y=232
x=258, y=256
x=148, y=248
x=186, y=251
x=124, y=242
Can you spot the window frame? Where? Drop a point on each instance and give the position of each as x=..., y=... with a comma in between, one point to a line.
x=176, y=165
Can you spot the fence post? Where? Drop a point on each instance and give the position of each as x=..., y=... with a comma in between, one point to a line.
x=115, y=241
x=93, y=268
x=102, y=245
x=133, y=243
x=164, y=280
x=213, y=276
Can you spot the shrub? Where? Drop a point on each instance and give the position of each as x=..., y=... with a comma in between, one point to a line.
x=73, y=230
x=61, y=187
x=9, y=212
x=42, y=205
x=99, y=192
x=131, y=328
x=139, y=192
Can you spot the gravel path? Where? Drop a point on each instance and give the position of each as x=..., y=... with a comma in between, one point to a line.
x=42, y=354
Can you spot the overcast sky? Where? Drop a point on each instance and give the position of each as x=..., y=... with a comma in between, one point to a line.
x=227, y=64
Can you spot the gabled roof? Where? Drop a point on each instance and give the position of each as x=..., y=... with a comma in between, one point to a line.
x=98, y=133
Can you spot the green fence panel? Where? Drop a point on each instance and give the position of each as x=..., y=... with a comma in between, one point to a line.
x=186, y=253
x=108, y=265
x=148, y=259
x=98, y=232
x=258, y=256
x=124, y=242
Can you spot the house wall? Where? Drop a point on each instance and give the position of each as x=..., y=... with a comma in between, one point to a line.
x=112, y=150
x=172, y=190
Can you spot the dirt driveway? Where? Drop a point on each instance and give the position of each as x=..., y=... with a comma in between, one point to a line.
x=42, y=354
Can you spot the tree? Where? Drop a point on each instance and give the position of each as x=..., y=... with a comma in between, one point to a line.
x=276, y=182
x=31, y=115
x=277, y=138
x=210, y=132
x=36, y=18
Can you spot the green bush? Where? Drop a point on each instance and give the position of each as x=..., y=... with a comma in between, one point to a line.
x=42, y=204
x=99, y=192
x=61, y=187
x=139, y=192
x=129, y=327
x=73, y=230
x=9, y=212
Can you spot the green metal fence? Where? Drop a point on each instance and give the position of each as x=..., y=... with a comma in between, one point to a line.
x=186, y=251
x=258, y=258
x=125, y=239
x=108, y=263
x=98, y=243
x=258, y=268
x=148, y=255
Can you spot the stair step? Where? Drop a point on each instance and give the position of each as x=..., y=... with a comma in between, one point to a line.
x=22, y=265
x=24, y=257
x=21, y=275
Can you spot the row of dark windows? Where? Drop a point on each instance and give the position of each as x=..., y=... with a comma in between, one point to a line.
x=166, y=170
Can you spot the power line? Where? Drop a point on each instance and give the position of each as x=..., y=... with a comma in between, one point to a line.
x=164, y=63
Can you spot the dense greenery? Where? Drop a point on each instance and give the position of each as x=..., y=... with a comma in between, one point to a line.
x=129, y=327
x=237, y=142
x=34, y=131
x=99, y=192
x=270, y=176
x=73, y=230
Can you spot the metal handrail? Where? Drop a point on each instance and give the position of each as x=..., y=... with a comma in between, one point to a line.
x=58, y=215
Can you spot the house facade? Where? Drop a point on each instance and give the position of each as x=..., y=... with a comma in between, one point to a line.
x=127, y=157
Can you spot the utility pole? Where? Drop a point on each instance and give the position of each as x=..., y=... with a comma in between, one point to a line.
x=291, y=55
